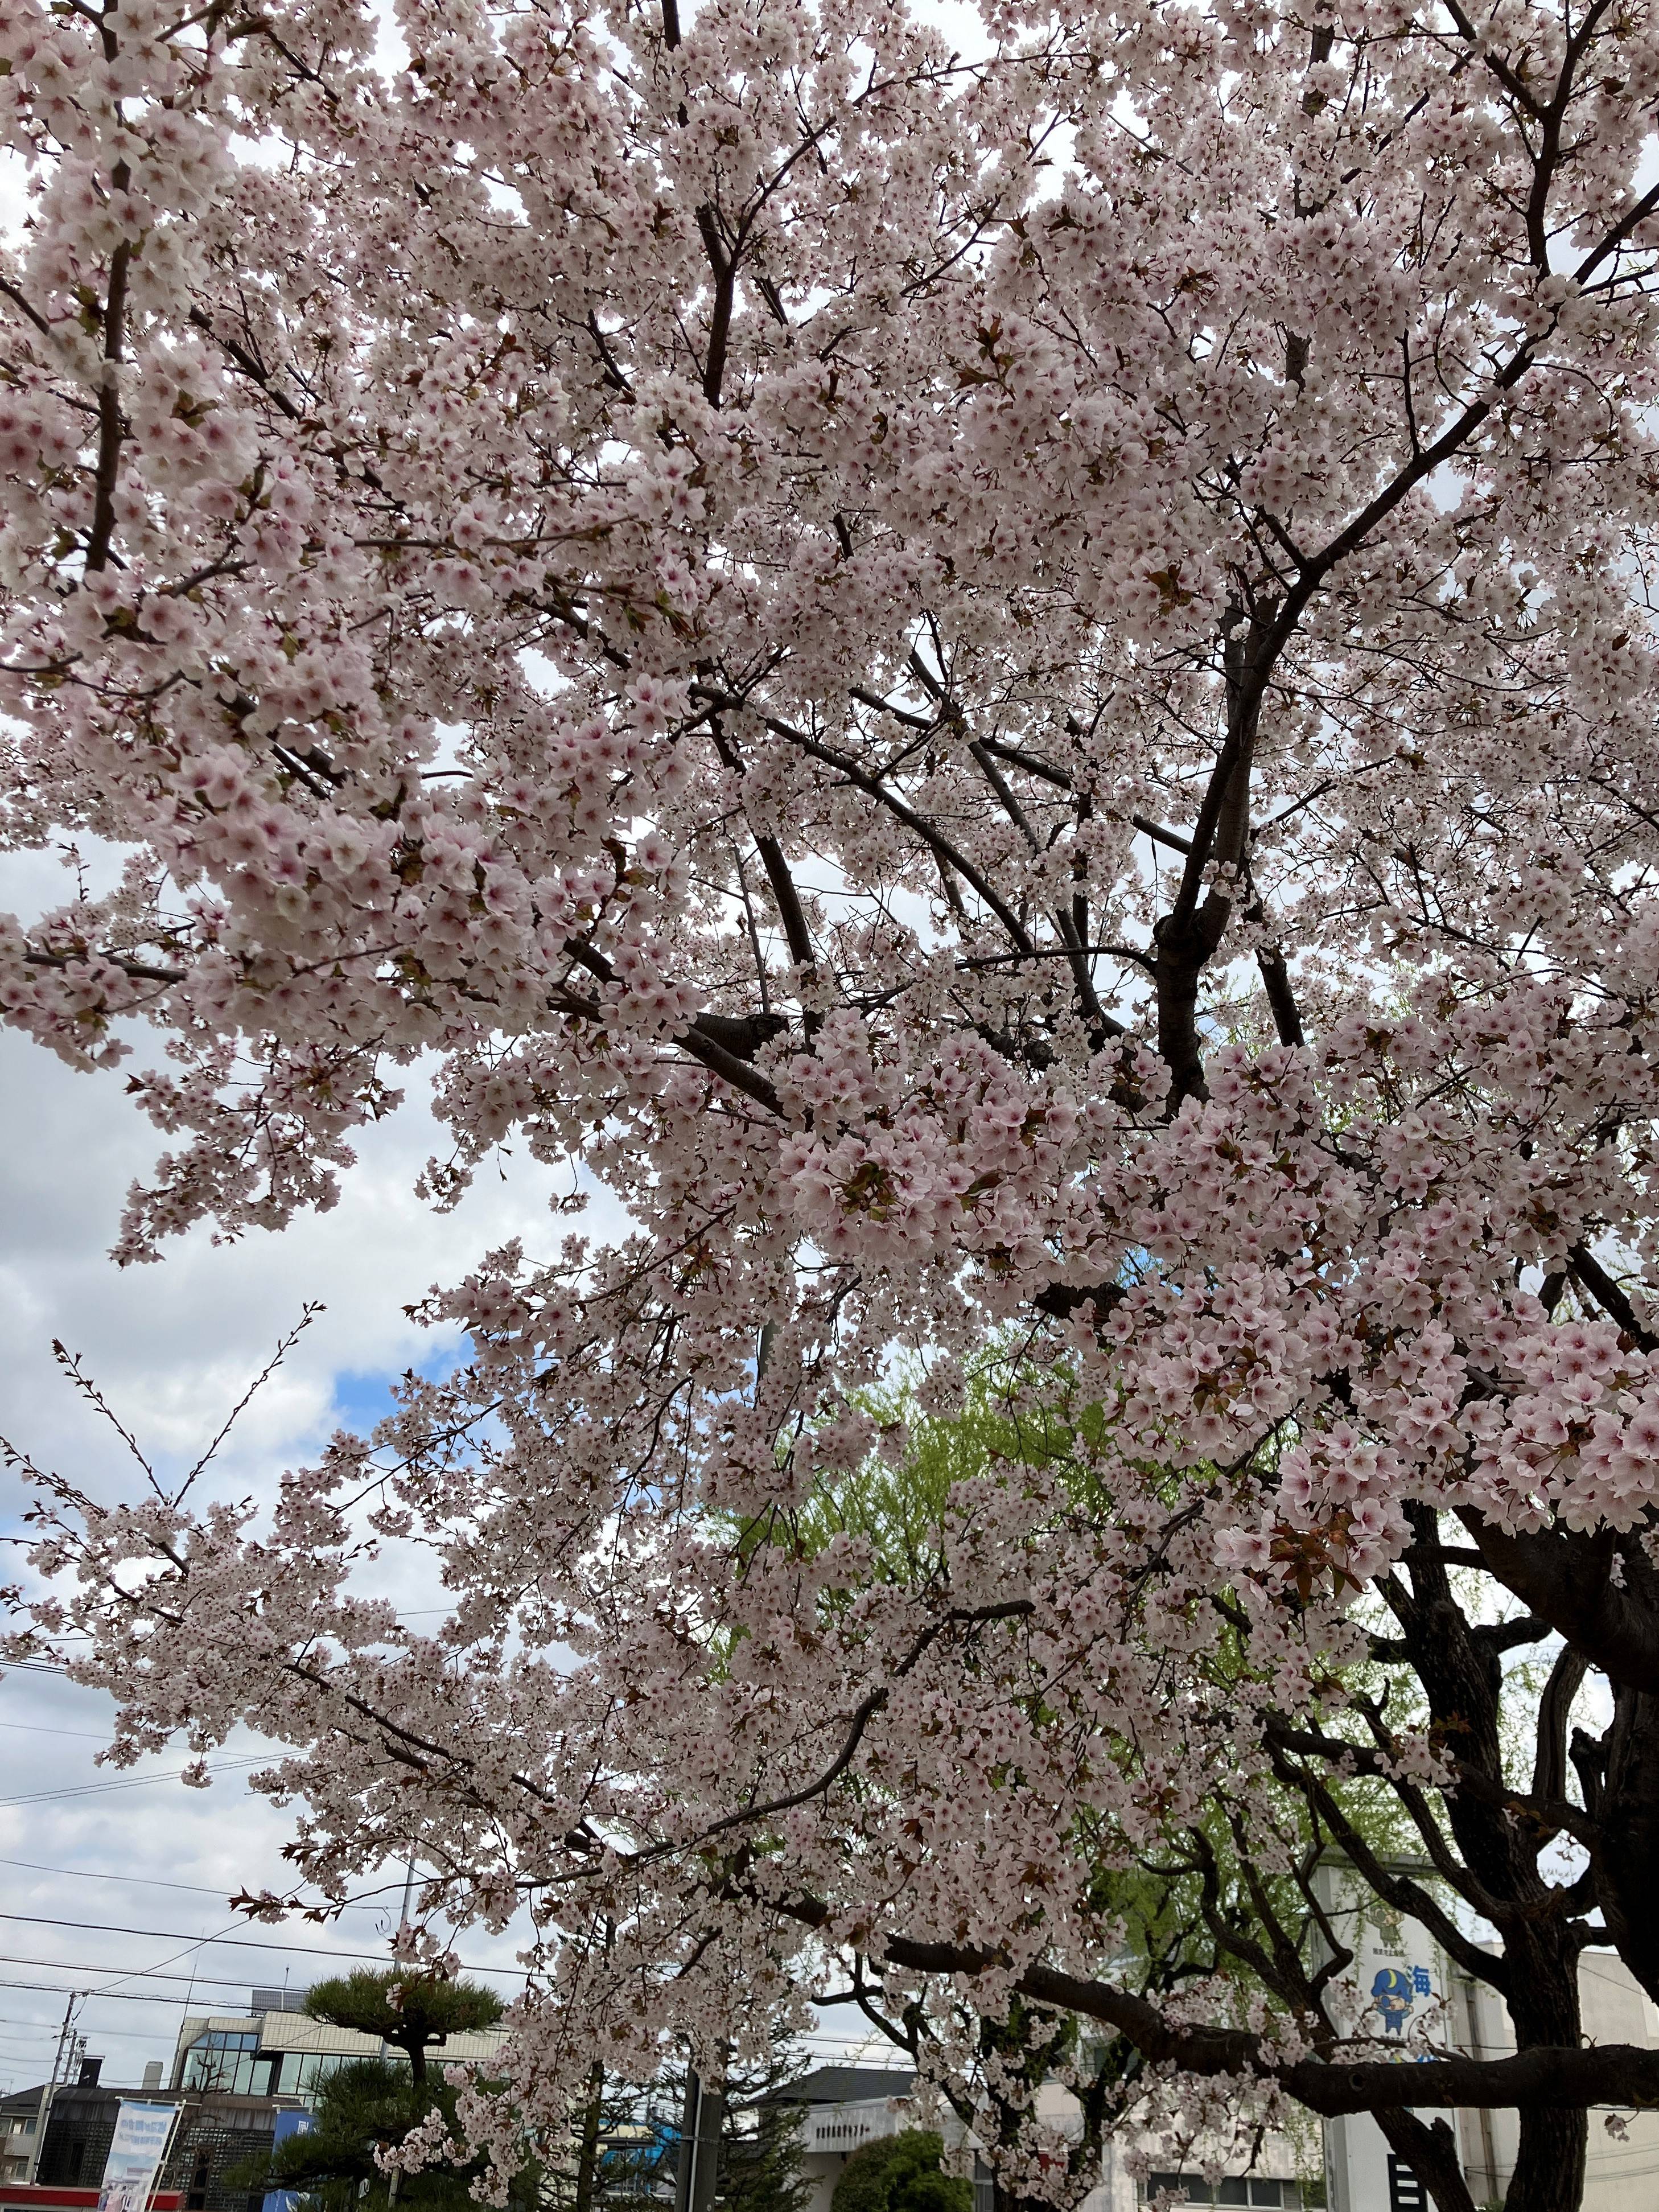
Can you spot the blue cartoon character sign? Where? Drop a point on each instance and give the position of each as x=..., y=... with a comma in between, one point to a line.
x=1395, y=1990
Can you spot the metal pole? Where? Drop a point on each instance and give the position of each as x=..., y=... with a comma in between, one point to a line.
x=701, y=2127
x=706, y=2170
x=689, y=2114
x=47, y=2087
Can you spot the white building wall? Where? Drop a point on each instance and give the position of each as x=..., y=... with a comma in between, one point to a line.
x=831, y=2133
x=1621, y=2176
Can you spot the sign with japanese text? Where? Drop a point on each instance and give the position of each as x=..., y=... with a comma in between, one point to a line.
x=140, y=2143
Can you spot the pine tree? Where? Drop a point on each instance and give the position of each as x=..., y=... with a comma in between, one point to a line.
x=761, y=2148
x=415, y=2011
x=365, y=2107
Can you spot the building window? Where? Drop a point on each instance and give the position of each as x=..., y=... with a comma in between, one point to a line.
x=1237, y=2189
x=222, y=2060
x=1405, y=2192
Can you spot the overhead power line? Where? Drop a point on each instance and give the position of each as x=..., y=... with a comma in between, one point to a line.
x=130, y=1974
x=40, y=1728
x=190, y=1888
x=136, y=1781
x=118, y=1997
x=231, y=1943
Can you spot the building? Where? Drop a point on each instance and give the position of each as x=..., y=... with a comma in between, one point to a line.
x=1622, y=2171
x=20, y=2121
x=1423, y=2001
x=844, y=2107
x=275, y=2049
x=841, y=2108
x=234, y=2074
x=213, y=2136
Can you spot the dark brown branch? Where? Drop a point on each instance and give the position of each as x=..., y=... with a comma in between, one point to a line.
x=1565, y=1577
x=791, y=913
x=867, y=698
x=1160, y=836
x=1397, y=1890
x=612, y=372
x=1018, y=1608
x=250, y=366
x=1549, y=1770
x=9, y=291
x=1045, y=771
x=699, y=1040
x=1276, y=978
x=723, y=268
x=1556, y=2078
x=138, y=970
x=1590, y=1276
x=110, y=428
x=933, y=837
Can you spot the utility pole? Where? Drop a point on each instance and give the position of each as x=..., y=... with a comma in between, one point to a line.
x=65, y=2045
x=701, y=2126
x=587, y=2149
x=685, y=2168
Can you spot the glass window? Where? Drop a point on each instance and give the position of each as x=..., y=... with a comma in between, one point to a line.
x=223, y=2060
x=1251, y=2190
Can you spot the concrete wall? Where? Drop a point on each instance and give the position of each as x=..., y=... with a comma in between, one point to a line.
x=1622, y=2176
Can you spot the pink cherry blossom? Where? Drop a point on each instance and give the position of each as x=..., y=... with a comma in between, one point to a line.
x=1013, y=692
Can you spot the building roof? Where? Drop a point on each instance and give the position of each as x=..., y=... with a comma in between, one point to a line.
x=296, y=2031
x=842, y=2084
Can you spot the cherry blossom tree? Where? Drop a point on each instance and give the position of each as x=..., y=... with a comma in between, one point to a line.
x=1012, y=690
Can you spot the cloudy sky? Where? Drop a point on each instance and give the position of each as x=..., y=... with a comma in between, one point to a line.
x=110, y=1880
x=88, y=1856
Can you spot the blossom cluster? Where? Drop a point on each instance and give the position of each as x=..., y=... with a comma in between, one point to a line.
x=1001, y=742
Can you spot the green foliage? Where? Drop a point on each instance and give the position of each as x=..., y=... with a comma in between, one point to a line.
x=761, y=2160
x=362, y=2108
x=900, y=1498
x=412, y=2012
x=611, y=2155
x=1195, y=1901
x=623, y=2141
x=901, y=2173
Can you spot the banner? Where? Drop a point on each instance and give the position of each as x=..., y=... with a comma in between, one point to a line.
x=142, y=2134
x=1403, y=1981
x=288, y=2123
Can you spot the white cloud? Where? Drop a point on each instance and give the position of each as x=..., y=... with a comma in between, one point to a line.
x=172, y=1347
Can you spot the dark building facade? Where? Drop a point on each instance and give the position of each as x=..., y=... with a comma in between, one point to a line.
x=214, y=2135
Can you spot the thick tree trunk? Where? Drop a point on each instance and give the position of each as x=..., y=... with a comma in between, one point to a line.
x=587, y=2154
x=1624, y=1778
x=1462, y=1671
x=1549, y=2166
